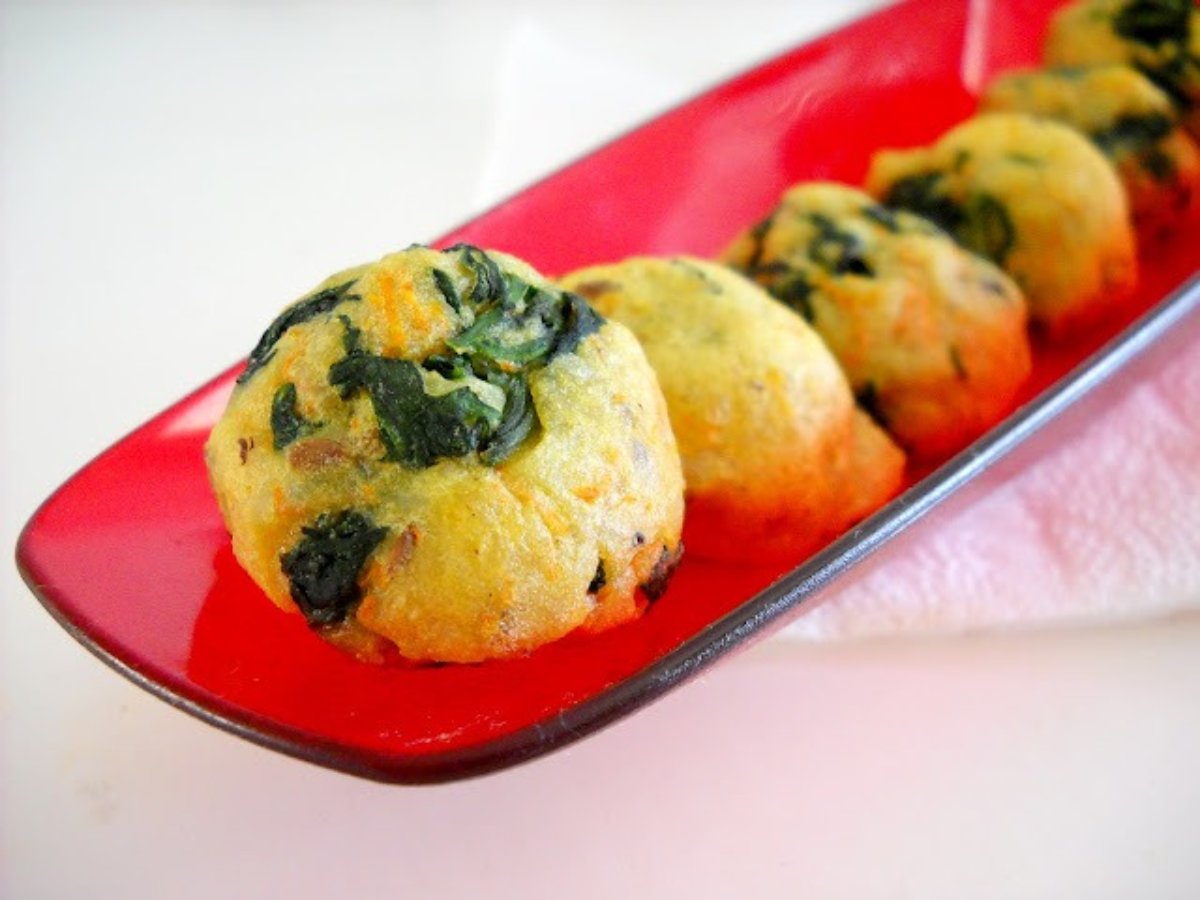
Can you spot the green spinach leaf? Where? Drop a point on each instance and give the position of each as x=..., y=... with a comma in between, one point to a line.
x=1133, y=133
x=868, y=400
x=578, y=321
x=489, y=282
x=1154, y=22
x=1168, y=77
x=838, y=251
x=882, y=216
x=1159, y=165
x=299, y=312
x=786, y=284
x=796, y=291
x=921, y=194
x=518, y=422
x=986, y=228
x=416, y=428
x=323, y=568
x=445, y=284
x=287, y=423
x=758, y=239
x=599, y=580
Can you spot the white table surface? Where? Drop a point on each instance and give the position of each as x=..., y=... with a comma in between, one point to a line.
x=171, y=174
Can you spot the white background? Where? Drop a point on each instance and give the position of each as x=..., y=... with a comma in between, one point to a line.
x=171, y=175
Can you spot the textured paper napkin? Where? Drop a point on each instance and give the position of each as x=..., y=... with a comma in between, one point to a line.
x=1106, y=528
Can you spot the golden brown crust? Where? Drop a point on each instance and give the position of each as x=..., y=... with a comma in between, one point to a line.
x=931, y=337
x=1131, y=121
x=1037, y=198
x=777, y=459
x=1162, y=40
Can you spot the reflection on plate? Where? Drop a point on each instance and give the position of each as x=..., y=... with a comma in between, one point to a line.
x=132, y=558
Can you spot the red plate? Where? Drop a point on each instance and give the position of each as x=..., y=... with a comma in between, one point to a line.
x=132, y=558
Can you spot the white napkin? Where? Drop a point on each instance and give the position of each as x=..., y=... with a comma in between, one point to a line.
x=1106, y=528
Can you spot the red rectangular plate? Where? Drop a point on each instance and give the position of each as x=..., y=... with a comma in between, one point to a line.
x=132, y=558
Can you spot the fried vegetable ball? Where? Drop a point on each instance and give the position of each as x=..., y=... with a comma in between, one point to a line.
x=444, y=456
x=1129, y=119
x=1036, y=198
x=776, y=457
x=1160, y=38
x=931, y=337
